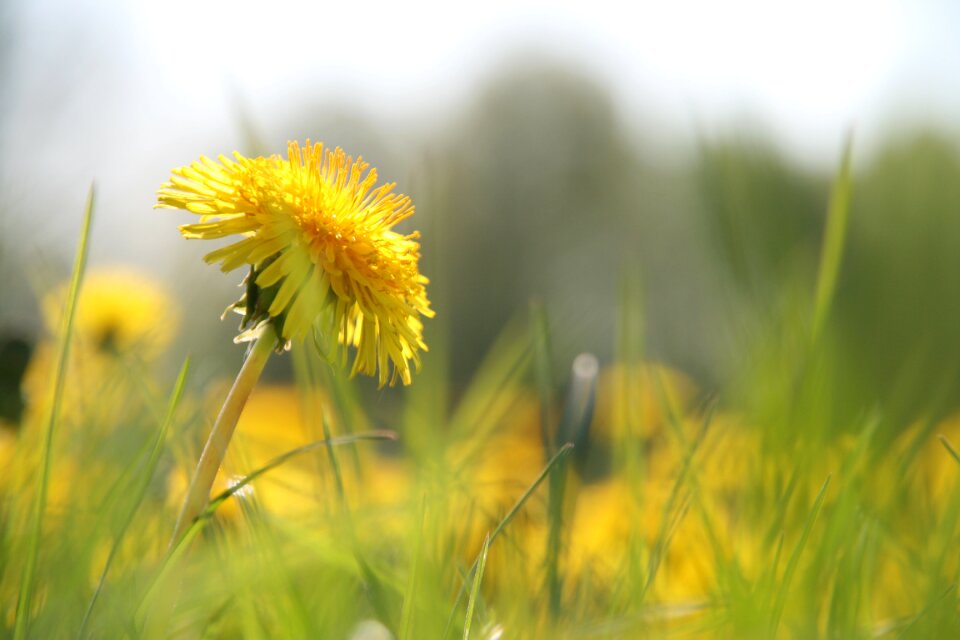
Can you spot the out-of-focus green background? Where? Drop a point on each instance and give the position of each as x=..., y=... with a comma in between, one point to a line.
x=553, y=153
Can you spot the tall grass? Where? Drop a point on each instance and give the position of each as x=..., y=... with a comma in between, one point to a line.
x=601, y=503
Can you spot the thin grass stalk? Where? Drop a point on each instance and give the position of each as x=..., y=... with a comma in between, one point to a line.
x=475, y=589
x=140, y=491
x=555, y=504
x=831, y=255
x=198, y=523
x=543, y=374
x=784, y=588
x=949, y=448
x=40, y=504
x=555, y=460
x=409, y=604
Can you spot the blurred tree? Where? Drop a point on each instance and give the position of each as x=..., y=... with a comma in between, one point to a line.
x=765, y=215
x=899, y=302
x=891, y=341
x=546, y=194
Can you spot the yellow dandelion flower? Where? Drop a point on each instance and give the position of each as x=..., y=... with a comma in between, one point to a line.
x=123, y=316
x=119, y=310
x=316, y=233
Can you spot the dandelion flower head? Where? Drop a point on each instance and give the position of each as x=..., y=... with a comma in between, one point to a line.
x=317, y=235
x=119, y=310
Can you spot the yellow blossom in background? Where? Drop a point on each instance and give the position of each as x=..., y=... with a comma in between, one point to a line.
x=123, y=316
x=317, y=235
x=935, y=474
x=486, y=473
x=119, y=310
x=638, y=400
x=600, y=531
x=729, y=457
x=272, y=423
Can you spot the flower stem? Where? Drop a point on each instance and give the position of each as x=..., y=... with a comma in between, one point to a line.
x=198, y=494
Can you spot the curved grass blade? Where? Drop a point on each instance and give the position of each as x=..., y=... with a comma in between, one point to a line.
x=838, y=216
x=543, y=374
x=506, y=362
x=675, y=507
x=791, y=568
x=279, y=460
x=406, y=611
x=556, y=459
x=63, y=353
x=953, y=452
x=475, y=589
x=195, y=527
x=141, y=489
x=926, y=611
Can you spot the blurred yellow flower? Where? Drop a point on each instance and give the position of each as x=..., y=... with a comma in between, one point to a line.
x=936, y=473
x=122, y=314
x=318, y=237
x=638, y=400
x=272, y=423
x=486, y=472
x=119, y=310
x=730, y=456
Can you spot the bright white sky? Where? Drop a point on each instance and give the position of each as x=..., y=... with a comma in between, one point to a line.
x=118, y=90
x=808, y=68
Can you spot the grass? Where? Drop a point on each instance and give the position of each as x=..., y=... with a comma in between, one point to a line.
x=25, y=597
x=610, y=503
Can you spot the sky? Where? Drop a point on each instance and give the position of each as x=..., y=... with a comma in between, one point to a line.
x=812, y=68
x=117, y=91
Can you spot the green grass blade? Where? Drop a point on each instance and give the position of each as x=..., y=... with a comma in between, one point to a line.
x=376, y=590
x=282, y=458
x=669, y=410
x=794, y=560
x=953, y=452
x=475, y=589
x=674, y=504
x=334, y=463
x=141, y=489
x=195, y=527
x=543, y=374
x=36, y=526
x=406, y=612
x=831, y=255
x=502, y=368
x=556, y=459
x=926, y=611
x=555, y=507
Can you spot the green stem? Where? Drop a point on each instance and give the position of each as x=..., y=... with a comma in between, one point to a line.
x=198, y=494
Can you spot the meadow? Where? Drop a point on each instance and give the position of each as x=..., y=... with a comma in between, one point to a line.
x=807, y=488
